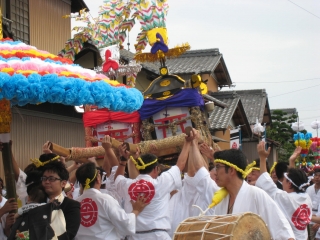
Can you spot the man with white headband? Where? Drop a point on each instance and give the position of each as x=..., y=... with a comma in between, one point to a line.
x=293, y=201
x=101, y=215
x=255, y=173
x=154, y=221
x=237, y=196
x=314, y=194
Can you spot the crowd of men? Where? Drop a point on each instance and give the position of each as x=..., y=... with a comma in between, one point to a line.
x=132, y=197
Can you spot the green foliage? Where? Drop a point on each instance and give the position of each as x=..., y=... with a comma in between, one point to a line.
x=281, y=132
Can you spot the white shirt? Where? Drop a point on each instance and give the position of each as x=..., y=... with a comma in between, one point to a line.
x=156, y=214
x=197, y=190
x=255, y=200
x=3, y=220
x=318, y=215
x=315, y=198
x=103, y=218
x=21, y=188
x=111, y=187
x=296, y=207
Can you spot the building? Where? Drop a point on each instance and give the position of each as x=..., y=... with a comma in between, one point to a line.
x=255, y=106
x=40, y=23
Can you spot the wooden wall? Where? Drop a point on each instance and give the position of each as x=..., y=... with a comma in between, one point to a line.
x=249, y=148
x=30, y=130
x=48, y=30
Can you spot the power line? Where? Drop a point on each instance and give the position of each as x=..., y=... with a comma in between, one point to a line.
x=309, y=110
x=304, y=9
x=294, y=91
x=316, y=117
x=282, y=81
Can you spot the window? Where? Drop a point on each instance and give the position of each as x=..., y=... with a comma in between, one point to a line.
x=3, y=7
x=19, y=14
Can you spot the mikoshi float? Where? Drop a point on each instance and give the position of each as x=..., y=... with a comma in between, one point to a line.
x=29, y=75
x=180, y=101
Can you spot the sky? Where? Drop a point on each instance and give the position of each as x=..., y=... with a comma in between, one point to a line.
x=266, y=44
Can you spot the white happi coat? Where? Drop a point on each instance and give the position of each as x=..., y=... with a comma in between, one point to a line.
x=197, y=190
x=3, y=220
x=296, y=207
x=156, y=214
x=255, y=200
x=103, y=218
x=111, y=187
x=315, y=198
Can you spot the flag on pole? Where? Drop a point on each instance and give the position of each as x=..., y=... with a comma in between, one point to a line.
x=234, y=139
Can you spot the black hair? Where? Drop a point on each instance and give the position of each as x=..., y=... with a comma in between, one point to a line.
x=211, y=166
x=103, y=175
x=257, y=160
x=58, y=168
x=299, y=177
x=1, y=182
x=280, y=169
x=87, y=171
x=233, y=156
x=35, y=190
x=147, y=158
x=31, y=167
x=47, y=156
x=316, y=170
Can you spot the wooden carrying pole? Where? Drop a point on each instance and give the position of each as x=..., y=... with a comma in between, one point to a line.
x=162, y=147
x=5, y=115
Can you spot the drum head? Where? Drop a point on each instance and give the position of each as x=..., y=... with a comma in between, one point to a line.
x=245, y=226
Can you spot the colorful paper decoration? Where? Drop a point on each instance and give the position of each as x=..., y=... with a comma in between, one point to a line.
x=315, y=147
x=29, y=75
x=304, y=141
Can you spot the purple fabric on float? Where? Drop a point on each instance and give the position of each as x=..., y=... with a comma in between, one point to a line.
x=185, y=98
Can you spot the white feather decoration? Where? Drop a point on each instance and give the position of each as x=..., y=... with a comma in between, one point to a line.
x=297, y=126
x=315, y=124
x=258, y=128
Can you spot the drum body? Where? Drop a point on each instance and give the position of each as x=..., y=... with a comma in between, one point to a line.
x=244, y=226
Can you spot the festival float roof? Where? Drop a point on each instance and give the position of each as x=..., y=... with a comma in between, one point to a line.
x=29, y=75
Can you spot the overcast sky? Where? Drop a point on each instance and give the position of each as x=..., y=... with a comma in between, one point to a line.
x=265, y=44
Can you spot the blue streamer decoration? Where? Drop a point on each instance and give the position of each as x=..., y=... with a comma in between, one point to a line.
x=35, y=89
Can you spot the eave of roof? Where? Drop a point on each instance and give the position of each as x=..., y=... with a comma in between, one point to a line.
x=254, y=102
x=220, y=118
x=203, y=61
x=77, y=5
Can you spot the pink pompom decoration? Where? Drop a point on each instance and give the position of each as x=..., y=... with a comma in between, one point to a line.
x=30, y=66
x=16, y=65
x=314, y=146
x=4, y=65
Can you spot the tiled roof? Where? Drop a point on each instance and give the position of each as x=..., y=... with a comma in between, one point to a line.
x=128, y=56
x=192, y=62
x=254, y=102
x=220, y=118
x=204, y=61
x=195, y=61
